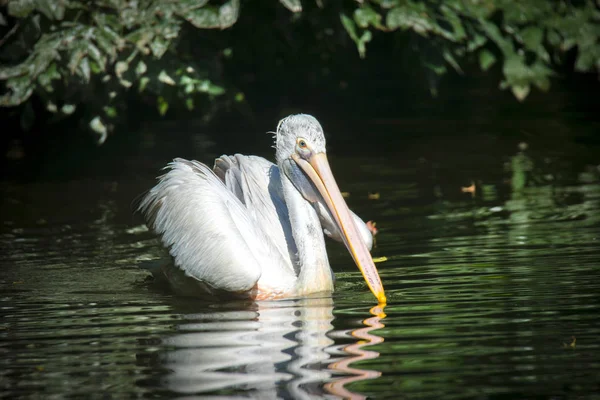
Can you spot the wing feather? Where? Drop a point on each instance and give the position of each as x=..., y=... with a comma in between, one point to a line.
x=206, y=228
x=257, y=184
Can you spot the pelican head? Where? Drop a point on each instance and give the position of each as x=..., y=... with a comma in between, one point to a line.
x=298, y=134
x=301, y=154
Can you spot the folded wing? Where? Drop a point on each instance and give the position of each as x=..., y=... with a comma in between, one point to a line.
x=206, y=228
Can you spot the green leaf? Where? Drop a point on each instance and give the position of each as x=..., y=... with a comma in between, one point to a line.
x=84, y=69
x=211, y=17
x=206, y=18
x=188, y=5
x=361, y=41
x=111, y=112
x=125, y=83
x=413, y=16
x=68, y=109
x=165, y=78
x=141, y=68
x=210, y=88
x=162, y=105
x=520, y=92
x=76, y=56
x=20, y=89
x=292, y=5
x=350, y=27
x=486, y=59
x=189, y=103
x=98, y=126
x=20, y=8
x=159, y=46
x=228, y=13
x=553, y=37
x=46, y=77
x=14, y=71
x=143, y=83
x=120, y=68
x=96, y=55
x=141, y=38
x=452, y=61
x=365, y=16
x=476, y=42
x=532, y=37
x=587, y=59
x=458, y=30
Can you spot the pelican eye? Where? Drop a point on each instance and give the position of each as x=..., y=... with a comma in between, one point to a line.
x=302, y=144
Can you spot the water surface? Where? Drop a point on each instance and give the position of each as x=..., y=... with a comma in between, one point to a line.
x=493, y=294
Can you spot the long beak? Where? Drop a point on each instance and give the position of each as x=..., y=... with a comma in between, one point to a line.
x=317, y=169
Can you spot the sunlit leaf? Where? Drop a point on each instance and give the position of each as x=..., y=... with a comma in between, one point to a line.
x=159, y=46
x=452, y=61
x=207, y=18
x=210, y=17
x=46, y=77
x=292, y=5
x=228, y=13
x=189, y=103
x=141, y=68
x=532, y=37
x=14, y=71
x=20, y=89
x=120, y=68
x=520, y=92
x=586, y=60
x=553, y=37
x=68, y=109
x=210, y=88
x=350, y=27
x=84, y=69
x=486, y=59
x=413, y=16
x=162, y=105
x=77, y=55
x=110, y=111
x=165, y=78
x=141, y=38
x=96, y=55
x=20, y=8
x=98, y=126
x=458, y=29
x=187, y=5
x=125, y=83
x=143, y=83
x=365, y=16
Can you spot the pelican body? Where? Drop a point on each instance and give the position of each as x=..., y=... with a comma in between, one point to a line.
x=252, y=228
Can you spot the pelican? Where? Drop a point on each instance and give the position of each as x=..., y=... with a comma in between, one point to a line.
x=255, y=229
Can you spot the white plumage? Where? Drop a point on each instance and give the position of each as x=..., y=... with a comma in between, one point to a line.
x=253, y=228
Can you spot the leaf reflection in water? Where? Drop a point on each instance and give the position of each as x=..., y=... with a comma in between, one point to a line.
x=267, y=350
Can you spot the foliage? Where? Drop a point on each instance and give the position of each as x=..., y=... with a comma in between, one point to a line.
x=96, y=51
x=529, y=37
x=74, y=52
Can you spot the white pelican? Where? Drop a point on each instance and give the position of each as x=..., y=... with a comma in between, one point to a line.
x=252, y=228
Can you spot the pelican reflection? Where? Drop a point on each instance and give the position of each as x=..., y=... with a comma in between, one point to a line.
x=266, y=350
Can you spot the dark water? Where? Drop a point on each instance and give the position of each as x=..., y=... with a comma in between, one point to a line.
x=492, y=294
